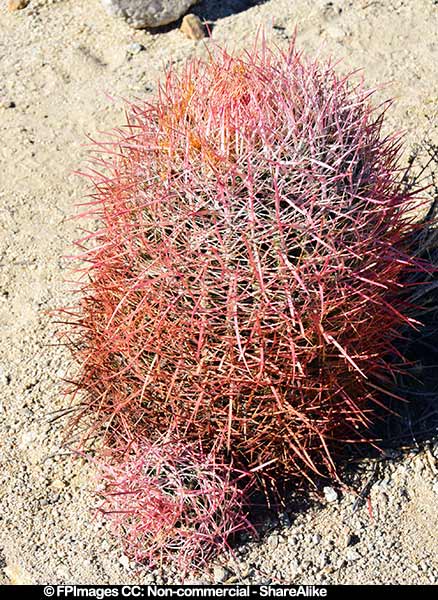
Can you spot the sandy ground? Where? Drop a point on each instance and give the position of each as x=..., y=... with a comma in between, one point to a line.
x=57, y=60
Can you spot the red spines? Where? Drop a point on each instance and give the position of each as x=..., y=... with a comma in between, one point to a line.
x=246, y=285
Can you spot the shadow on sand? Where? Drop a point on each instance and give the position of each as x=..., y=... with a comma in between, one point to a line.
x=210, y=11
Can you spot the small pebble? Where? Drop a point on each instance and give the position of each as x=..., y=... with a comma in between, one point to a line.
x=17, y=4
x=135, y=48
x=124, y=561
x=5, y=378
x=6, y=103
x=220, y=574
x=284, y=520
x=193, y=28
x=330, y=494
x=352, y=555
x=57, y=484
x=27, y=439
x=323, y=560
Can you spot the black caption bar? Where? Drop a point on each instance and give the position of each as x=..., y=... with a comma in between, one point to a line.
x=101, y=592
x=184, y=591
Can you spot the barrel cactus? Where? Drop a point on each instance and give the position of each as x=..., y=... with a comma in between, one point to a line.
x=246, y=287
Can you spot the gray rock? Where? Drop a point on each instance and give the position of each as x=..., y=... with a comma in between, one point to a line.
x=141, y=14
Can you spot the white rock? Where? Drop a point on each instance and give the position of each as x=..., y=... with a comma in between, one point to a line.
x=27, y=439
x=135, y=48
x=352, y=555
x=220, y=574
x=124, y=561
x=148, y=13
x=330, y=494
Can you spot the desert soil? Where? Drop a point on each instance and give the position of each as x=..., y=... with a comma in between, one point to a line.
x=60, y=61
